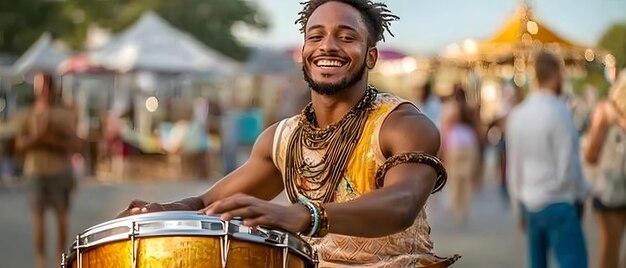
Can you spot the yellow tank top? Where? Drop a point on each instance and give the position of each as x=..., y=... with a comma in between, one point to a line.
x=409, y=248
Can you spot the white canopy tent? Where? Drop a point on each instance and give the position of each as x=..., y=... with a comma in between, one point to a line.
x=45, y=54
x=152, y=44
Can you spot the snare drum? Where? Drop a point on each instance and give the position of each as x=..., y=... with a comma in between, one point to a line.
x=185, y=239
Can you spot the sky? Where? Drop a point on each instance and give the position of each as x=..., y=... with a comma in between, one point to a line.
x=428, y=26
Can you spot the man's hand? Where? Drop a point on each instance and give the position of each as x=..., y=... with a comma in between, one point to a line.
x=139, y=207
x=256, y=212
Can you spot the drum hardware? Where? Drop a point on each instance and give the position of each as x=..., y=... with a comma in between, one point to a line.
x=285, y=256
x=224, y=246
x=79, y=256
x=63, y=260
x=176, y=236
x=133, y=248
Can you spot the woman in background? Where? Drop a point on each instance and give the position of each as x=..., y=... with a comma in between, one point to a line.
x=606, y=149
x=460, y=152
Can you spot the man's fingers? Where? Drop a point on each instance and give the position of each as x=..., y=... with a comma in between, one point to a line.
x=229, y=204
x=128, y=212
x=245, y=213
x=259, y=221
x=123, y=213
x=152, y=207
x=135, y=203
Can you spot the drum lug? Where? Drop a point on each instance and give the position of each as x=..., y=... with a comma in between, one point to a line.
x=63, y=260
x=224, y=247
x=79, y=255
x=285, y=256
x=274, y=237
x=133, y=245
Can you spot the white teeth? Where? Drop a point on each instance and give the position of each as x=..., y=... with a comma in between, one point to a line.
x=329, y=63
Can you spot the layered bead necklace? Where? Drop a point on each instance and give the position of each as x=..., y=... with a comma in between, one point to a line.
x=318, y=181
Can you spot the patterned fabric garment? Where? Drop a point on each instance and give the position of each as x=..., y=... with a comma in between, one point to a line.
x=409, y=248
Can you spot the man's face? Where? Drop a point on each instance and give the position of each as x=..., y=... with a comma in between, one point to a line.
x=335, y=51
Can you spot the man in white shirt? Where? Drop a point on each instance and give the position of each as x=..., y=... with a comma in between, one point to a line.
x=544, y=171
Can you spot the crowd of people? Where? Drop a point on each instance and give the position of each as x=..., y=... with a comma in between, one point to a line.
x=405, y=151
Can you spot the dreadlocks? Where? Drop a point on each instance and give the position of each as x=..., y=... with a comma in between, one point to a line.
x=376, y=15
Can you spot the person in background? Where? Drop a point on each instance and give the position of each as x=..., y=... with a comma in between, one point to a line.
x=428, y=103
x=544, y=171
x=47, y=138
x=606, y=149
x=461, y=154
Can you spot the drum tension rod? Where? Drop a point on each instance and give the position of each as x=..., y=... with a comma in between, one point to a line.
x=132, y=242
x=79, y=255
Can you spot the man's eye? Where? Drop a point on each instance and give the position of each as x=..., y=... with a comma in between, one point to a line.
x=346, y=38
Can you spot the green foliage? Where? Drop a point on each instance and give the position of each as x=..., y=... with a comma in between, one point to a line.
x=614, y=41
x=211, y=21
x=595, y=77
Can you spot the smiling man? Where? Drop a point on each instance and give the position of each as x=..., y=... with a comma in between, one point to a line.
x=357, y=165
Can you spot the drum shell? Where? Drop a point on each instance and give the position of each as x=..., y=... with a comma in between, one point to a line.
x=189, y=251
x=185, y=239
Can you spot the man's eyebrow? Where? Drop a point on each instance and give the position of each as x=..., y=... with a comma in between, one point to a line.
x=343, y=27
x=313, y=27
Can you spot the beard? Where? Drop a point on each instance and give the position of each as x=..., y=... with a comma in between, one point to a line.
x=333, y=88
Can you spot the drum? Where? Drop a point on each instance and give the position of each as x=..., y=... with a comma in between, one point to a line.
x=185, y=239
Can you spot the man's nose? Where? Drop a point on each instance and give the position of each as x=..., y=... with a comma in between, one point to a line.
x=329, y=44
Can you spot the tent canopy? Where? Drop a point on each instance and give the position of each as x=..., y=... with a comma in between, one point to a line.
x=270, y=61
x=152, y=44
x=524, y=23
x=45, y=54
x=520, y=35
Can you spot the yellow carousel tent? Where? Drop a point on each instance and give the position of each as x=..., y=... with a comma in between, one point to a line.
x=522, y=23
x=519, y=36
x=508, y=54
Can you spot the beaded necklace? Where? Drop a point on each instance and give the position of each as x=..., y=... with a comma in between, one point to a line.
x=318, y=181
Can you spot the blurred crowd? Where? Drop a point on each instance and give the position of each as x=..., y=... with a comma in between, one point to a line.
x=578, y=158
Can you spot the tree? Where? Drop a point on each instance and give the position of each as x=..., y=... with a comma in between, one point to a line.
x=211, y=21
x=22, y=22
x=614, y=41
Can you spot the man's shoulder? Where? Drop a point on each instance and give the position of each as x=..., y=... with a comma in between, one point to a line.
x=386, y=97
x=406, y=122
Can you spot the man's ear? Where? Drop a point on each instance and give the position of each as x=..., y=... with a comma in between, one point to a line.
x=372, y=57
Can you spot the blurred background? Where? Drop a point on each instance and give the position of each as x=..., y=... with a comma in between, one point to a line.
x=170, y=95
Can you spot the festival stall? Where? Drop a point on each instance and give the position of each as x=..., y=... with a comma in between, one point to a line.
x=497, y=71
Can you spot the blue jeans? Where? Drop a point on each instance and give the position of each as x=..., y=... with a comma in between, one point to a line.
x=557, y=227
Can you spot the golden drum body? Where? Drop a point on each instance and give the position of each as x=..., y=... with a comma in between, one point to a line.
x=185, y=239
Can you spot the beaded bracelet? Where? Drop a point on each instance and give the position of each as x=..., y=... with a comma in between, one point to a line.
x=413, y=157
x=320, y=225
x=315, y=220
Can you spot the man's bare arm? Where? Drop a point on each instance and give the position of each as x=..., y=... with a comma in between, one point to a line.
x=393, y=207
x=596, y=134
x=257, y=177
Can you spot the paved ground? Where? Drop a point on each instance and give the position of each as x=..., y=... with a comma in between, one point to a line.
x=489, y=240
